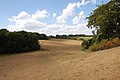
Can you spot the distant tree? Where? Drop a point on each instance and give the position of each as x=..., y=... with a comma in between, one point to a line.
x=51, y=36
x=2, y=31
x=61, y=36
x=70, y=35
x=57, y=36
x=42, y=36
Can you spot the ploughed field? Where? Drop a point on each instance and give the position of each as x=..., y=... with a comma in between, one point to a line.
x=61, y=59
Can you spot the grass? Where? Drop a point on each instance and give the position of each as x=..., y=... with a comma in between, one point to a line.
x=61, y=59
x=81, y=38
x=86, y=38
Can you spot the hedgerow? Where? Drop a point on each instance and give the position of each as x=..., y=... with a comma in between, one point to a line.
x=22, y=41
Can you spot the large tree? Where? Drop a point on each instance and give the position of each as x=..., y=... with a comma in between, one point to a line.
x=106, y=19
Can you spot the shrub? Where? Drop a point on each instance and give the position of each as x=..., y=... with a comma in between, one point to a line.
x=11, y=42
x=105, y=44
x=116, y=41
x=86, y=44
x=94, y=48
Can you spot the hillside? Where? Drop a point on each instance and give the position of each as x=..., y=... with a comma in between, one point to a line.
x=61, y=60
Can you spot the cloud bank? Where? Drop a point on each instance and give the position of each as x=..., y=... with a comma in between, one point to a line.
x=34, y=22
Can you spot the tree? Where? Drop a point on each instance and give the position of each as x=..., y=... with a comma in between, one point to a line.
x=42, y=36
x=106, y=19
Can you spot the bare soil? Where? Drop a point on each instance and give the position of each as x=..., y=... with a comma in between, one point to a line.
x=61, y=60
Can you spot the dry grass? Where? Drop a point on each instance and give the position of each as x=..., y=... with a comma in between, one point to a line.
x=61, y=60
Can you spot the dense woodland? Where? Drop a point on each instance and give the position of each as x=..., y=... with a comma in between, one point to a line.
x=106, y=20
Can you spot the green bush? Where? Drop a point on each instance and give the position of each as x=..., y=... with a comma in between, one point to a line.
x=12, y=42
x=86, y=44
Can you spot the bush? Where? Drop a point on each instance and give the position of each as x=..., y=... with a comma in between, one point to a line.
x=86, y=44
x=12, y=42
x=105, y=44
x=94, y=48
x=116, y=42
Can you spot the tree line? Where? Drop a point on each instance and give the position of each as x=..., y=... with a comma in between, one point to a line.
x=69, y=36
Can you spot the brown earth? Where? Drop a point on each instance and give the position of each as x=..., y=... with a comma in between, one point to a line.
x=61, y=60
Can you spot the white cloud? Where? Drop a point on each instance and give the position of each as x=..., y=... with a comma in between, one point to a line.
x=78, y=19
x=69, y=11
x=40, y=14
x=28, y=25
x=34, y=25
x=84, y=2
x=25, y=21
x=33, y=22
x=49, y=29
x=22, y=15
x=52, y=29
x=93, y=1
x=54, y=15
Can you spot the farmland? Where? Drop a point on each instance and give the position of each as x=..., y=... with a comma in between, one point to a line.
x=81, y=38
x=61, y=59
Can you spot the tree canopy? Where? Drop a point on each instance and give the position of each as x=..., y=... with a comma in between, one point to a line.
x=106, y=19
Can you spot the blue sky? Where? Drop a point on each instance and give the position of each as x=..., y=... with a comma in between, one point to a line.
x=47, y=16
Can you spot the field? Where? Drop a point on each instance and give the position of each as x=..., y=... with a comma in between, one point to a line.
x=81, y=38
x=61, y=60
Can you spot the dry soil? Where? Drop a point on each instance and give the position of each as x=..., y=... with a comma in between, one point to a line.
x=61, y=60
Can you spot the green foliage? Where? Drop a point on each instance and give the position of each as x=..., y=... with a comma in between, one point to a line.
x=74, y=37
x=106, y=19
x=86, y=44
x=86, y=38
x=11, y=42
x=61, y=36
x=77, y=35
x=98, y=38
x=42, y=36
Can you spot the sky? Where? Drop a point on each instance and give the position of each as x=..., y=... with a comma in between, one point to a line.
x=50, y=17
